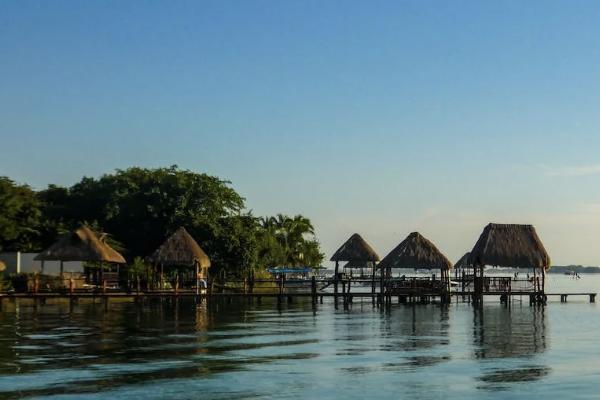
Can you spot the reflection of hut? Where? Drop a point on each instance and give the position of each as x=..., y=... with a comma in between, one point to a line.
x=356, y=251
x=516, y=335
x=85, y=245
x=180, y=249
x=416, y=252
x=510, y=246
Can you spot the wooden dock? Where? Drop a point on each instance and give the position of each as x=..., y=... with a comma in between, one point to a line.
x=289, y=297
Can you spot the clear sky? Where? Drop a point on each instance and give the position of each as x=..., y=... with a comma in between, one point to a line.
x=378, y=117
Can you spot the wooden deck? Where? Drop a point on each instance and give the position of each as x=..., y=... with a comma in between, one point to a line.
x=420, y=296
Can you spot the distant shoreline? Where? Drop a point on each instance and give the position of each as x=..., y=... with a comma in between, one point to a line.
x=574, y=268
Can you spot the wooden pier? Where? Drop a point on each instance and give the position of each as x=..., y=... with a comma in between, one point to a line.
x=344, y=299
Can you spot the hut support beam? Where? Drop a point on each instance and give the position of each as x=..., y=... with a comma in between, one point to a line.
x=197, y=280
x=335, y=283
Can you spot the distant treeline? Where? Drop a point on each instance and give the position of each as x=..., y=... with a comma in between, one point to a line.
x=140, y=207
x=561, y=269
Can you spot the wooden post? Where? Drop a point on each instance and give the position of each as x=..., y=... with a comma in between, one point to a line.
x=71, y=285
x=381, y=291
x=543, y=280
x=335, y=283
x=118, y=275
x=197, y=279
x=313, y=290
x=61, y=271
x=373, y=284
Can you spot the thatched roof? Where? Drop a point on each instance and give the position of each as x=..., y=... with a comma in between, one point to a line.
x=355, y=249
x=415, y=252
x=509, y=245
x=463, y=262
x=83, y=244
x=180, y=249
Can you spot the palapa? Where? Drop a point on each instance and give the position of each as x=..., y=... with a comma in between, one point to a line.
x=415, y=252
x=463, y=262
x=180, y=249
x=511, y=246
x=83, y=244
x=355, y=249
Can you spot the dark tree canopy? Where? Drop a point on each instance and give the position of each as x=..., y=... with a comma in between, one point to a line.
x=20, y=217
x=140, y=207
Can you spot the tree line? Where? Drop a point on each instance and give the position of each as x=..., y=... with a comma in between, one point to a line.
x=140, y=207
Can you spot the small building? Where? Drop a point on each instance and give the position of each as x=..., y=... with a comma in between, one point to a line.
x=356, y=252
x=509, y=246
x=416, y=252
x=181, y=250
x=84, y=245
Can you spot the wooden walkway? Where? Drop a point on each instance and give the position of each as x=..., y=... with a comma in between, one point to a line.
x=288, y=296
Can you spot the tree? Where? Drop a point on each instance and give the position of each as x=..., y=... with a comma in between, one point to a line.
x=288, y=241
x=19, y=217
x=140, y=207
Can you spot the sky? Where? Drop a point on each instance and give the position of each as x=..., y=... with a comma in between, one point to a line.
x=377, y=117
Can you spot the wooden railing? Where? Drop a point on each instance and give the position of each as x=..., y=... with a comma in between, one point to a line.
x=498, y=284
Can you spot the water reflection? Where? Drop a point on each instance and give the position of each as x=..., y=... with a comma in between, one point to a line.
x=517, y=335
x=135, y=350
x=418, y=334
x=61, y=349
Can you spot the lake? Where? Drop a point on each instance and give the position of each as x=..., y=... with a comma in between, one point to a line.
x=180, y=350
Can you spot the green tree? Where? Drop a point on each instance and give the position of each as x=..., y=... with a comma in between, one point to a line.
x=20, y=216
x=141, y=206
x=288, y=241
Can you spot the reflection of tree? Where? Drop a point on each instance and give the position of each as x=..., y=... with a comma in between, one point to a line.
x=515, y=334
x=131, y=343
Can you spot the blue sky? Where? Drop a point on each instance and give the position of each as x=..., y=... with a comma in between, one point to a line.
x=378, y=117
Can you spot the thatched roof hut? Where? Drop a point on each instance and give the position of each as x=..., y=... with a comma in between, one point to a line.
x=180, y=249
x=463, y=262
x=415, y=252
x=510, y=245
x=355, y=249
x=83, y=244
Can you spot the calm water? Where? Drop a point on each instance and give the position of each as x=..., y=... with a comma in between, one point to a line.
x=182, y=351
